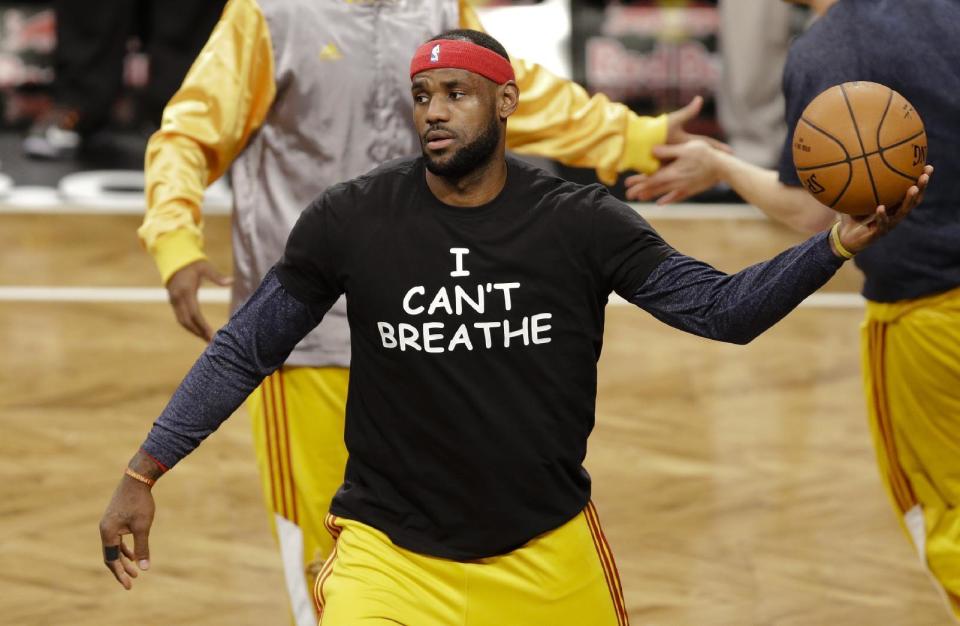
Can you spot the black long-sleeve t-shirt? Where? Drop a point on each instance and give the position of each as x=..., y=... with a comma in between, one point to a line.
x=475, y=336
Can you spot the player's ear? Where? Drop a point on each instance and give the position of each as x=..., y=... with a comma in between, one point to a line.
x=508, y=98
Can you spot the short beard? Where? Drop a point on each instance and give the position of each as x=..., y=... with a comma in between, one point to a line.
x=468, y=158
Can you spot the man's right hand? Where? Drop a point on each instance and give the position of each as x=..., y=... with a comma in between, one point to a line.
x=130, y=512
x=182, y=290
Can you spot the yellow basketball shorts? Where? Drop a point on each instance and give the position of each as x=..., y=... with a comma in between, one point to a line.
x=565, y=577
x=298, y=416
x=911, y=368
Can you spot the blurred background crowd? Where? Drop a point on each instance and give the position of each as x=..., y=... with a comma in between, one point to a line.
x=83, y=84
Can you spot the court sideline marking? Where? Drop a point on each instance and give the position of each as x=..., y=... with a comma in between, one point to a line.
x=129, y=206
x=53, y=206
x=134, y=295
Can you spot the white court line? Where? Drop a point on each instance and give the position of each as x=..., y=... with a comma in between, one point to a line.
x=114, y=207
x=120, y=192
x=102, y=294
x=688, y=211
x=827, y=300
x=698, y=211
x=96, y=192
x=844, y=300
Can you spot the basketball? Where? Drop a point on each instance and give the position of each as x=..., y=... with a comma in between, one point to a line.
x=859, y=145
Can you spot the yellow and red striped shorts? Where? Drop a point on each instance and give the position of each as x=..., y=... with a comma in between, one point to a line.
x=298, y=418
x=566, y=576
x=911, y=369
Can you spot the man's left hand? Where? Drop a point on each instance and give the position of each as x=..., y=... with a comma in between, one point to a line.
x=858, y=232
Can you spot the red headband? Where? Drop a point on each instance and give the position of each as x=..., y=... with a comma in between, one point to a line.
x=463, y=55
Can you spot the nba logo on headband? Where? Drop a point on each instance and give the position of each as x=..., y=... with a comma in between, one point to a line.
x=464, y=55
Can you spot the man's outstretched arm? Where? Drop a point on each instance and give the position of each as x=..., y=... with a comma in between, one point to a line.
x=694, y=297
x=255, y=342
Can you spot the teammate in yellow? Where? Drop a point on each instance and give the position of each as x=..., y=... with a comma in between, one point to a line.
x=292, y=96
x=911, y=334
x=476, y=287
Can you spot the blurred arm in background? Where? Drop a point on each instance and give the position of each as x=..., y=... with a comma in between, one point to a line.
x=222, y=101
x=558, y=119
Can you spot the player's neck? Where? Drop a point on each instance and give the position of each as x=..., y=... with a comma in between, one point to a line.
x=474, y=189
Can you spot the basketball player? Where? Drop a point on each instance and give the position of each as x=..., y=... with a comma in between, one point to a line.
x=476, y=287
x=293, y=96
x=911, y=334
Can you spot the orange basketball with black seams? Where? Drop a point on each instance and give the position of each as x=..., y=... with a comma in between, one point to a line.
x=859, y=145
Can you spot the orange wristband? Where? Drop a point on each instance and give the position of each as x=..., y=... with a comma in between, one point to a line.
x=134, y=475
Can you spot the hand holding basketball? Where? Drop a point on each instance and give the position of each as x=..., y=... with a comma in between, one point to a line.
x=856, y=233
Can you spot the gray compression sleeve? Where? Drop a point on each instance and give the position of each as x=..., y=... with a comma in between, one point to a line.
x=694, y=297
x=255, y=342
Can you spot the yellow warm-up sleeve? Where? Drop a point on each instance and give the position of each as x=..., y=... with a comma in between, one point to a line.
x=224, y=98
x=558, y=119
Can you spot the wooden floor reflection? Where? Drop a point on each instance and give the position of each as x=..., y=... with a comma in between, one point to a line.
x=736, y=485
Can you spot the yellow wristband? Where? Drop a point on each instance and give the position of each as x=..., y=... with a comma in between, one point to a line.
x=134, y=475
x=835, y=237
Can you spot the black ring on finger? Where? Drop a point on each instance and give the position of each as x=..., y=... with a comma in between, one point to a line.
x=111, y=553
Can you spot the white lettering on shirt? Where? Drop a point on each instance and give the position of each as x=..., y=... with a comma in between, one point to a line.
x=487, y=327
x=440, y=300
x=429, y=337
x=408, y=337
x=461, y=336
x=523, y=332
x=461, y=297
x=505, y=288
x=459, y=252
x=536, y=328
x=456, y=301
x=386, y=335
x=406, y=300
